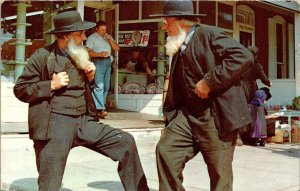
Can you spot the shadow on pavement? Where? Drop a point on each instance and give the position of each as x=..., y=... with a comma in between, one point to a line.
x=109, y=185
x=27, y=184
x=290, y=152
x=24, y=184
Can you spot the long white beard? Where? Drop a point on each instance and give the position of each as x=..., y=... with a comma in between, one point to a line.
x=174, y=42
x=79, y=54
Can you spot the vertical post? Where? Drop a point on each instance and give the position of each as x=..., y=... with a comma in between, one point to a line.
x=161, y=54
x=47, y=21
x=80, y=8
x=297, y=52
x=20, y=35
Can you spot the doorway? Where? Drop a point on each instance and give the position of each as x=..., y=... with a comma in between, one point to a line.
x=111, y=17
x=246, y=38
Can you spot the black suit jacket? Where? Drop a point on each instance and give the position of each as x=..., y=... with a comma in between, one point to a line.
x=34, y=87
x=220, y=60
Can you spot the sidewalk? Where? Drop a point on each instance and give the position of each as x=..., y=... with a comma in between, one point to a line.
x=271, y=168
x=117, y=118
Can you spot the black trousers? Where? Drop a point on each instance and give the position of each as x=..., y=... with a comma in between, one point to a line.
x=185, y=136
x=68, y=132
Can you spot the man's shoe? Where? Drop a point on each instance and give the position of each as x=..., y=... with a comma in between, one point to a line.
x=102, y=114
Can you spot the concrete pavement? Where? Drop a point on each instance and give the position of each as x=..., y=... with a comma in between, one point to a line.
x=271, y=168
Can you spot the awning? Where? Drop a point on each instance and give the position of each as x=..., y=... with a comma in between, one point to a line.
x=292, y=5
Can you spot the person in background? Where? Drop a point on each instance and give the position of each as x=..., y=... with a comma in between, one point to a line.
x=258, y=128
x=254, y=74
x=100, y=44
x=57, y=82
x=250, y=84
x=205, y=104
x=136, y=62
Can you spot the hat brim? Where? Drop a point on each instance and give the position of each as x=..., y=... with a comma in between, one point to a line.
x=85, y=25
x=178, y=15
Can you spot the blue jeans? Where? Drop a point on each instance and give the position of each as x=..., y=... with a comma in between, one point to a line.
x=102, y=82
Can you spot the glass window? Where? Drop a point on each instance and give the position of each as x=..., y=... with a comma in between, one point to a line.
x=135, y=63
x=279, y=42
x=245, y=15
x=208, y=8
x=129, y=10
x=282, y=69
x=150, y=8
x=225, y=16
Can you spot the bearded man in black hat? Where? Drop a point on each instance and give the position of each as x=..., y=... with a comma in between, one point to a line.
x=205, y=104
x=57, y=83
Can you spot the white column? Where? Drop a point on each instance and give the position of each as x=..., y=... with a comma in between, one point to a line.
x=80, y=8
x=297, y=53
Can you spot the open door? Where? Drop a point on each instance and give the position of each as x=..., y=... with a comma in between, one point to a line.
x=111, y=17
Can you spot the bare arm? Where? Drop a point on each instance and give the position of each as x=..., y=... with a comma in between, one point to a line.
x=93, y=54
x=112, y=42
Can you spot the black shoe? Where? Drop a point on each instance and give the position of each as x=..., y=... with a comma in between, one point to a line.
x=261, y=143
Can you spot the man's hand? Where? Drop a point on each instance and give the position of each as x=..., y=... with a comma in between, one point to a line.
x=104, y=54
x=202, y=89
x=59, y=80
x=108, y=37
x=90, y=71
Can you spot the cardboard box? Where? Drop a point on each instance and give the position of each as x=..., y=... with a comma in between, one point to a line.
x=278, y=138
x=295, y=133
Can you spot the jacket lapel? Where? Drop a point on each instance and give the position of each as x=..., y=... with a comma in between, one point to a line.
x=174, y=61
x=53, y=59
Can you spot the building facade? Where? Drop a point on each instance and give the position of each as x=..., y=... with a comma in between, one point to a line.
x=272, y=26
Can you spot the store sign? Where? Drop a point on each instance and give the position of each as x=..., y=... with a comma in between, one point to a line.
x=133, y=38
x=246, y=27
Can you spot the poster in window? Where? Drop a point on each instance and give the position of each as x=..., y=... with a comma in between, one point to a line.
x=134, y=38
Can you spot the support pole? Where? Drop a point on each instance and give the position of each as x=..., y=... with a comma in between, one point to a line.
x=161, y=54
x=20, y=42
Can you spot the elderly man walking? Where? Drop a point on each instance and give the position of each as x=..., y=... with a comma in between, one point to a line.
x=205, y=104
x=57, y=83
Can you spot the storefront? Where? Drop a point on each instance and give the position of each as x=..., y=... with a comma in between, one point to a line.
x=140, y=65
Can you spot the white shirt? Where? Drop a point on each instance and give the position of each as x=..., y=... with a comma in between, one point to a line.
x=98, y=44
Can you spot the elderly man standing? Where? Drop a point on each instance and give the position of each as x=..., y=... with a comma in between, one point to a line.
x=56, y=83
x=205, y=104
x=99, y=45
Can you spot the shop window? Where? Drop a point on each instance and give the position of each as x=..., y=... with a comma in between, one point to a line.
x=279, y=43
x=128, y=10
x=281, y=67
x=281, y=62
x=208, y=8
x=133, y=77
x=150, y=8
x=225, y=16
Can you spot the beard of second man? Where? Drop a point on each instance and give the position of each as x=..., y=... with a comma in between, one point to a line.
x=79, y=54
x=174, y=42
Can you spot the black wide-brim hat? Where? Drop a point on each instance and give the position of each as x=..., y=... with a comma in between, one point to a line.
x=173, y=8
x=69, y=21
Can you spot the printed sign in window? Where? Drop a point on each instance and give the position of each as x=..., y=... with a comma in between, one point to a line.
x=134, y=38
